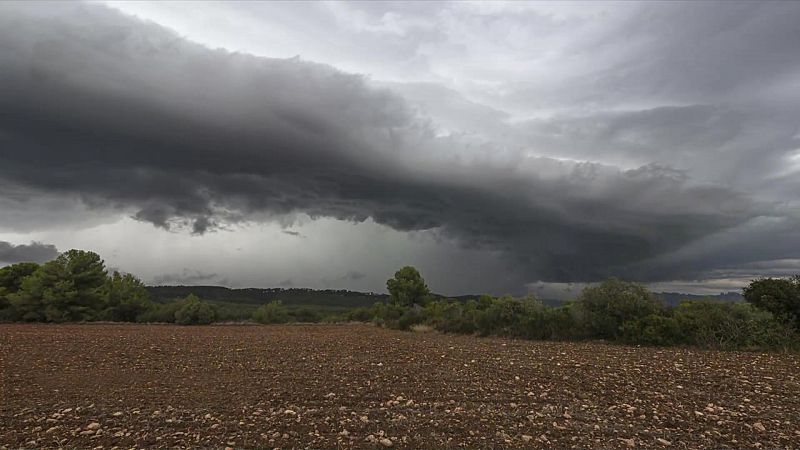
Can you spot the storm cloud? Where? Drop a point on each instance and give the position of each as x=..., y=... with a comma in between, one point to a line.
x=33, y=252
x=672, y=160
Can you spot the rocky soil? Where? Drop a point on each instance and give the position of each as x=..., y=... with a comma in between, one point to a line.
x=357, y=386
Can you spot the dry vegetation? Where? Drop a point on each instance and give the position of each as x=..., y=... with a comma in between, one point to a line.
x=343, y=386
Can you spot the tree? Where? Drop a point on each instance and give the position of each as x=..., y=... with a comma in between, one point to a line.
x=11, y=276
x=10, y=282
x=195, y=312
x=780, y=296
x=407, y=287
x=68, y=288
x=126, y=298
x=607, y=306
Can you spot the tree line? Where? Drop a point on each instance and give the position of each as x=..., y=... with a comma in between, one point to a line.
x=613, y=310
x=76, y=287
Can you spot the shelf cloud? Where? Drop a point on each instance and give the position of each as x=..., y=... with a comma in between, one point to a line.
x=678, y=157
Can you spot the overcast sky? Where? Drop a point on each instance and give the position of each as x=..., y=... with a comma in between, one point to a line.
x=498, y=147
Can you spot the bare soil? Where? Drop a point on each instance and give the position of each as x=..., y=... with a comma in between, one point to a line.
x=357, y=386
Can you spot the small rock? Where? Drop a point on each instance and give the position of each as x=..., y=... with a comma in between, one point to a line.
x=117, y=414
x=526, y=438
x=51, y=429
x=759, y=427
x=664, y=442
x=93, y=426
x=289, y=412
x=628, y=442
x=386, y=442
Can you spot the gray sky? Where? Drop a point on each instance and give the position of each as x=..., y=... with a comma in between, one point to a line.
x=499, y=147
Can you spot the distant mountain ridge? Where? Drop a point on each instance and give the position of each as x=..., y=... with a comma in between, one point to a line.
x=342, y=298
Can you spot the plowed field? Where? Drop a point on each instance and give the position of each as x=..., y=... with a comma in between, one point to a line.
x=357, y=386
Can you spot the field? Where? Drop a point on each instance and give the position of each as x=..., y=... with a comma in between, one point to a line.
x=346, y=386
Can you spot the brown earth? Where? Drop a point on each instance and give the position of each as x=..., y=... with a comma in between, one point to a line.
x=344, y=386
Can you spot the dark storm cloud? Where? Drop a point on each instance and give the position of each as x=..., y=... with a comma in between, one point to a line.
x=353, y=275
x=33, y=252
x=127, y=116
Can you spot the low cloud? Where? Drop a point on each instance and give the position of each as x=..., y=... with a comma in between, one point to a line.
x=34, y=252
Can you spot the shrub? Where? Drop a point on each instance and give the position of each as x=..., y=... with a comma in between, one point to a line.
x=727, y=326
x=780, y=296
x=656, y=330
x=362, y=314
x=193, y=311
x=410, y=318
x=498, y=316
x=451, y=316
x=607, y=306
x=271, y=313
x=388, y=314
x=305, y=315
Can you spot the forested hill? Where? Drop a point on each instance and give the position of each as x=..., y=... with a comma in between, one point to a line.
x=673, y=298
x=341, y=298
x=259, y=296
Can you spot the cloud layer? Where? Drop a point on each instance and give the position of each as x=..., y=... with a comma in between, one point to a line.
x=677, y=156
x=33, y=252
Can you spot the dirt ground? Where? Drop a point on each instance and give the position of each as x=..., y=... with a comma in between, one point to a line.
x=357, y=386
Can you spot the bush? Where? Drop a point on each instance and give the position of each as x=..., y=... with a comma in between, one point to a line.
x=388, y=314
x=728, y=326
x=305, y=315
x=655, y=330
x=499, y=316
x=451, y=316
x=410, y=318
x=362, y=314
x=780, y=296
x=193, y=311
x=271, y=313
x=607, y=306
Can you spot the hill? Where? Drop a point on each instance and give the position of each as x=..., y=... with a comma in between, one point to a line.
x=343, y=299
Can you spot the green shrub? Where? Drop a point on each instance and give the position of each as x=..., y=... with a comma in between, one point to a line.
x=305, y=315
x=388, y=314
x=409, y=318
x=727, y=326
x=451, y=316
x=193, y=311
x=271, y=313
x=362, y=314
x=499, y=316
x=655, y=330
x=607, y=306
x=780, y=296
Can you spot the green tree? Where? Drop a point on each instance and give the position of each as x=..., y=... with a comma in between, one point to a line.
x=780, y=296
x=68, y=288
x=272, y=312
x=195, y=312
x=10, y=282
x=607, y=306
x=407, y=288
x=126, y=298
